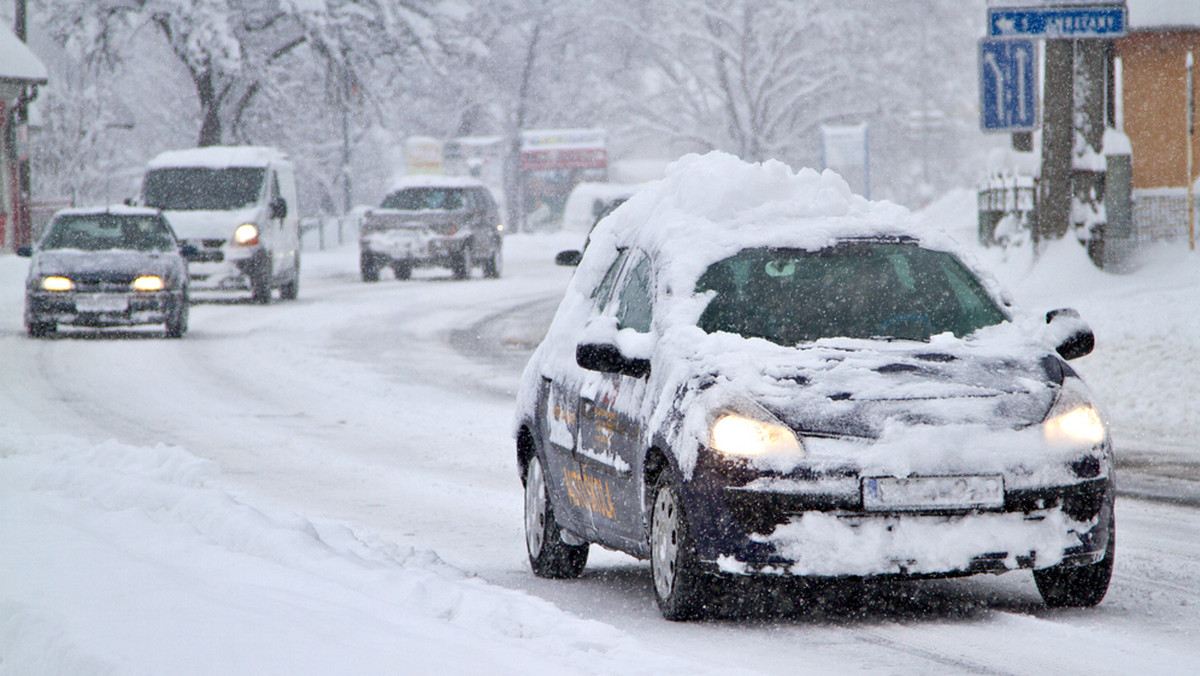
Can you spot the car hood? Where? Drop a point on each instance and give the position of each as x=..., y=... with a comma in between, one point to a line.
x=167, y=264
x=859, y=388
x=209, y=224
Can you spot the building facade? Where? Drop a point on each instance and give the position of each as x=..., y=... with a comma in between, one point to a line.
x=21, y=72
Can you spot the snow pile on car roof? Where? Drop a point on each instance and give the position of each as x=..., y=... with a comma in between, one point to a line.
x=711, y=206
x=434, y=181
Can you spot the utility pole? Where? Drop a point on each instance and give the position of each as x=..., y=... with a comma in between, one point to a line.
x=23, y=231
x=1191, y=114
x=1058, y=138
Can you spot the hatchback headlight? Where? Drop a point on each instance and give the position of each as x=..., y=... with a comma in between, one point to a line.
x=752, y=436
x=1073, y=420
x=246, y=234
x=148, y=283
x=55, y=283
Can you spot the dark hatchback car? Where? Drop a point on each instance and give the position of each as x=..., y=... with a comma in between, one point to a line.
x=817, y=390
x=105, y=267
x=433, y=221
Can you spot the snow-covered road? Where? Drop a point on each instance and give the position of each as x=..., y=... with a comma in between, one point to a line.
x=328, y=486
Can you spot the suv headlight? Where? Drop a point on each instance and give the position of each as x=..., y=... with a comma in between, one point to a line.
x=753, y=433
x=148, y=283
x=246, y=234
x=1072, y=419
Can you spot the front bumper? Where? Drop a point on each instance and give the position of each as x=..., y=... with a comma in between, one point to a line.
x=101, y=309
x=221, y=266
x=419, y=248
x=745, y=527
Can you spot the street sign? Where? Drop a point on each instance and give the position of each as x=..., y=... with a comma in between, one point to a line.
x=1008, y=91
x=1100, y=21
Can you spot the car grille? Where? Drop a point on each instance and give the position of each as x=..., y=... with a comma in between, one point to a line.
x=102, y=283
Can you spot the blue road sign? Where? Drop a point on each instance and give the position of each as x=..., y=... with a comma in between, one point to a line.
x=1101, y=21
x=1008, y=99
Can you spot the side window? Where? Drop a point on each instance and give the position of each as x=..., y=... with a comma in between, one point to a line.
x=602, y=291
x=635, y=306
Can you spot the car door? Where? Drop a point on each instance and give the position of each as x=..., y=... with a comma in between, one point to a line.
x=573, y=498
x=610, y=449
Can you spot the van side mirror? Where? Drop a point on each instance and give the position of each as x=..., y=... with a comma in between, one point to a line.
x=279, y=208
x=1072, y=336
x=25, y=251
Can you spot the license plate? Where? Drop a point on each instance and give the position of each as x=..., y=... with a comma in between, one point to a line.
x=932, y=492
x=101, y=303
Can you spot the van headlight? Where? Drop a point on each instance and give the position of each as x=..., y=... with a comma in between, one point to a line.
x=752, y=433
x=1073, y=420
x=246, y=234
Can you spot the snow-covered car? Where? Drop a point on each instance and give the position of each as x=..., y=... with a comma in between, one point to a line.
x=432, y=221
x=110, y=266
x=754, y=372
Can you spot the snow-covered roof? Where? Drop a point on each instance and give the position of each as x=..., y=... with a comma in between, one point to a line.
x=710, y=207
x=434, y=181
x=217, y=157
x=17, y=61
x=1163, y=13
x=116, y=209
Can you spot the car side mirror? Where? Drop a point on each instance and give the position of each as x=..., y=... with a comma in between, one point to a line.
x=607, y=358
x=1072, y=336
x=279, y=208
x=25, y=251
x=569, y=258
x=189, y=251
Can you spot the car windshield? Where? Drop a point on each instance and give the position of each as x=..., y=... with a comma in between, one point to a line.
x=422, y=199
x=860, y=289
x=104, y=232
x=203, y=189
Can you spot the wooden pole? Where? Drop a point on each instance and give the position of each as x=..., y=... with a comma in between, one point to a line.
x=1191, y=197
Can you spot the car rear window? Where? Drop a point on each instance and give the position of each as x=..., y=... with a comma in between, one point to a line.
x=855, y=290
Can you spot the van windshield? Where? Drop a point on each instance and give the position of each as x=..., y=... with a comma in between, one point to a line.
x=202, y=188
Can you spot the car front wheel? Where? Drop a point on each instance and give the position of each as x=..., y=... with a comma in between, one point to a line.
x=683, y=591
x=368, y=267
x=494, y=264
x=1078, y=586
x=40, y=329
x=177, y=319
x=549, y=556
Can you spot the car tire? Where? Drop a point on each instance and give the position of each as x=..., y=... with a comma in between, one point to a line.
x=40, y=329
x=402, y=270
x=549, y=556
x=369, y=268
x=291, y=290
x=177, y=320
x=494, y=264
x=1078, y=586
x=260, y=283
x=682, y=590
x=461, y=265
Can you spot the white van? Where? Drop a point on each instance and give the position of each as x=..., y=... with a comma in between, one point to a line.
x=237, y=206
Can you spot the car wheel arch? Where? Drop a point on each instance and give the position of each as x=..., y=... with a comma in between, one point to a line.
x=526, y=450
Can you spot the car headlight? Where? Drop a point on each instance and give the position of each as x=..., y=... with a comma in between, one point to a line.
x=1073, y=420
x=246, y=234
x=741, y=435
x=55, y=283
x=148, y=283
